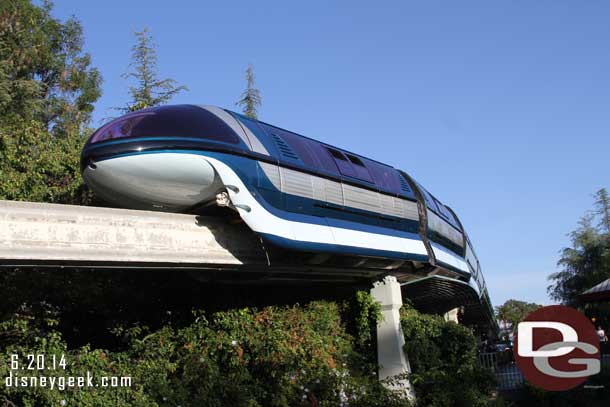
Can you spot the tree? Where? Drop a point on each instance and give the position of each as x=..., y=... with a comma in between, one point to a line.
x=587, y=261
x=44, y=73
x=47, y=91
x=602, y=208
x=36, y=166
x=150, y=90
x=443, y=360
x=514, y=311
x=251, y=99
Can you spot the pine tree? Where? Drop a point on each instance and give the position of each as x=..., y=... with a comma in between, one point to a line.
x=150, y=90
x=602, y=208
x=251, y=99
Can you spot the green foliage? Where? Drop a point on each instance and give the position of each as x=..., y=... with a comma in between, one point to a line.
x=443, y=360
x=251, y=99
x=366, y=313
x=587, y=262
x=270, y=356
x=47, y=91
x=44, y=73
x=150, y=90
x=38, y=166
x=602, y=209
x=515, y=311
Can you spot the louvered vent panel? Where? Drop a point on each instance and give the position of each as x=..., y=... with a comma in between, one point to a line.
x=284, y=148
x=404, y=185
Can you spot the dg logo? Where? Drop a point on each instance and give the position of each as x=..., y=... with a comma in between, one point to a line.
x=557, y=348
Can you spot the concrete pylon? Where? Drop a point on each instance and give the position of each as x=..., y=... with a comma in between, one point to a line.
x=452, y=315
x=391, y=357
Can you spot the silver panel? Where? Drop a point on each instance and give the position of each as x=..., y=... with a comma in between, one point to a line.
x=163, y=181
x=273, y=174
x=319, y=188
x=411, y=210
x=296, y=183
x=334, y=192
x=361, y=198
x=310, y=186
x=388, y=207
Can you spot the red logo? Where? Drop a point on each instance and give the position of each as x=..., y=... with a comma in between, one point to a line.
x=557, y=348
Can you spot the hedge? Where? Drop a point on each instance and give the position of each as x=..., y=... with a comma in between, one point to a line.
x=310, y=355
x=443, y=361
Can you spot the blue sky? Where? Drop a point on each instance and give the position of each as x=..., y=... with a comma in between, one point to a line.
x=501, y=109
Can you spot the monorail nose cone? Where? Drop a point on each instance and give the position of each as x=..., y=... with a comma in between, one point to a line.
x=161, y=181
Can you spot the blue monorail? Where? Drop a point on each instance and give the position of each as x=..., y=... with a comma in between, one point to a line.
x=295, y=192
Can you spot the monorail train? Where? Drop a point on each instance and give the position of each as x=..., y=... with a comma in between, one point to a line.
x=295, y=192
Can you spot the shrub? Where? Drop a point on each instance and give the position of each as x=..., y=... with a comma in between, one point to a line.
x=36, y=165
x=273, y=356
x=443, y=362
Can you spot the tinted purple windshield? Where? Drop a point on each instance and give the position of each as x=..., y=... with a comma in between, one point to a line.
x=119, y=128
x=168, y=121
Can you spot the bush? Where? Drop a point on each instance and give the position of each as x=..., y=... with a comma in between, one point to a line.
x=443, y=362
x=36, y=165
x=142, y=325
x=273, y=356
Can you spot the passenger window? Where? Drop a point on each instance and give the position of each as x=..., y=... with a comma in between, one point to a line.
x=336, y=154
x=299, y=146
x=445, y=213
x=361, y=170
x=429, y=199
x=441, y=208
x=355, y=160
x=343, y=164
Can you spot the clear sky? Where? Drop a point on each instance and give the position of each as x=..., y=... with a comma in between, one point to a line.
x=500, y=108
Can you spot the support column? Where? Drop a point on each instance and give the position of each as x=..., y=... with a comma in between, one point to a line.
x=390, y=339
x=452, y=315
